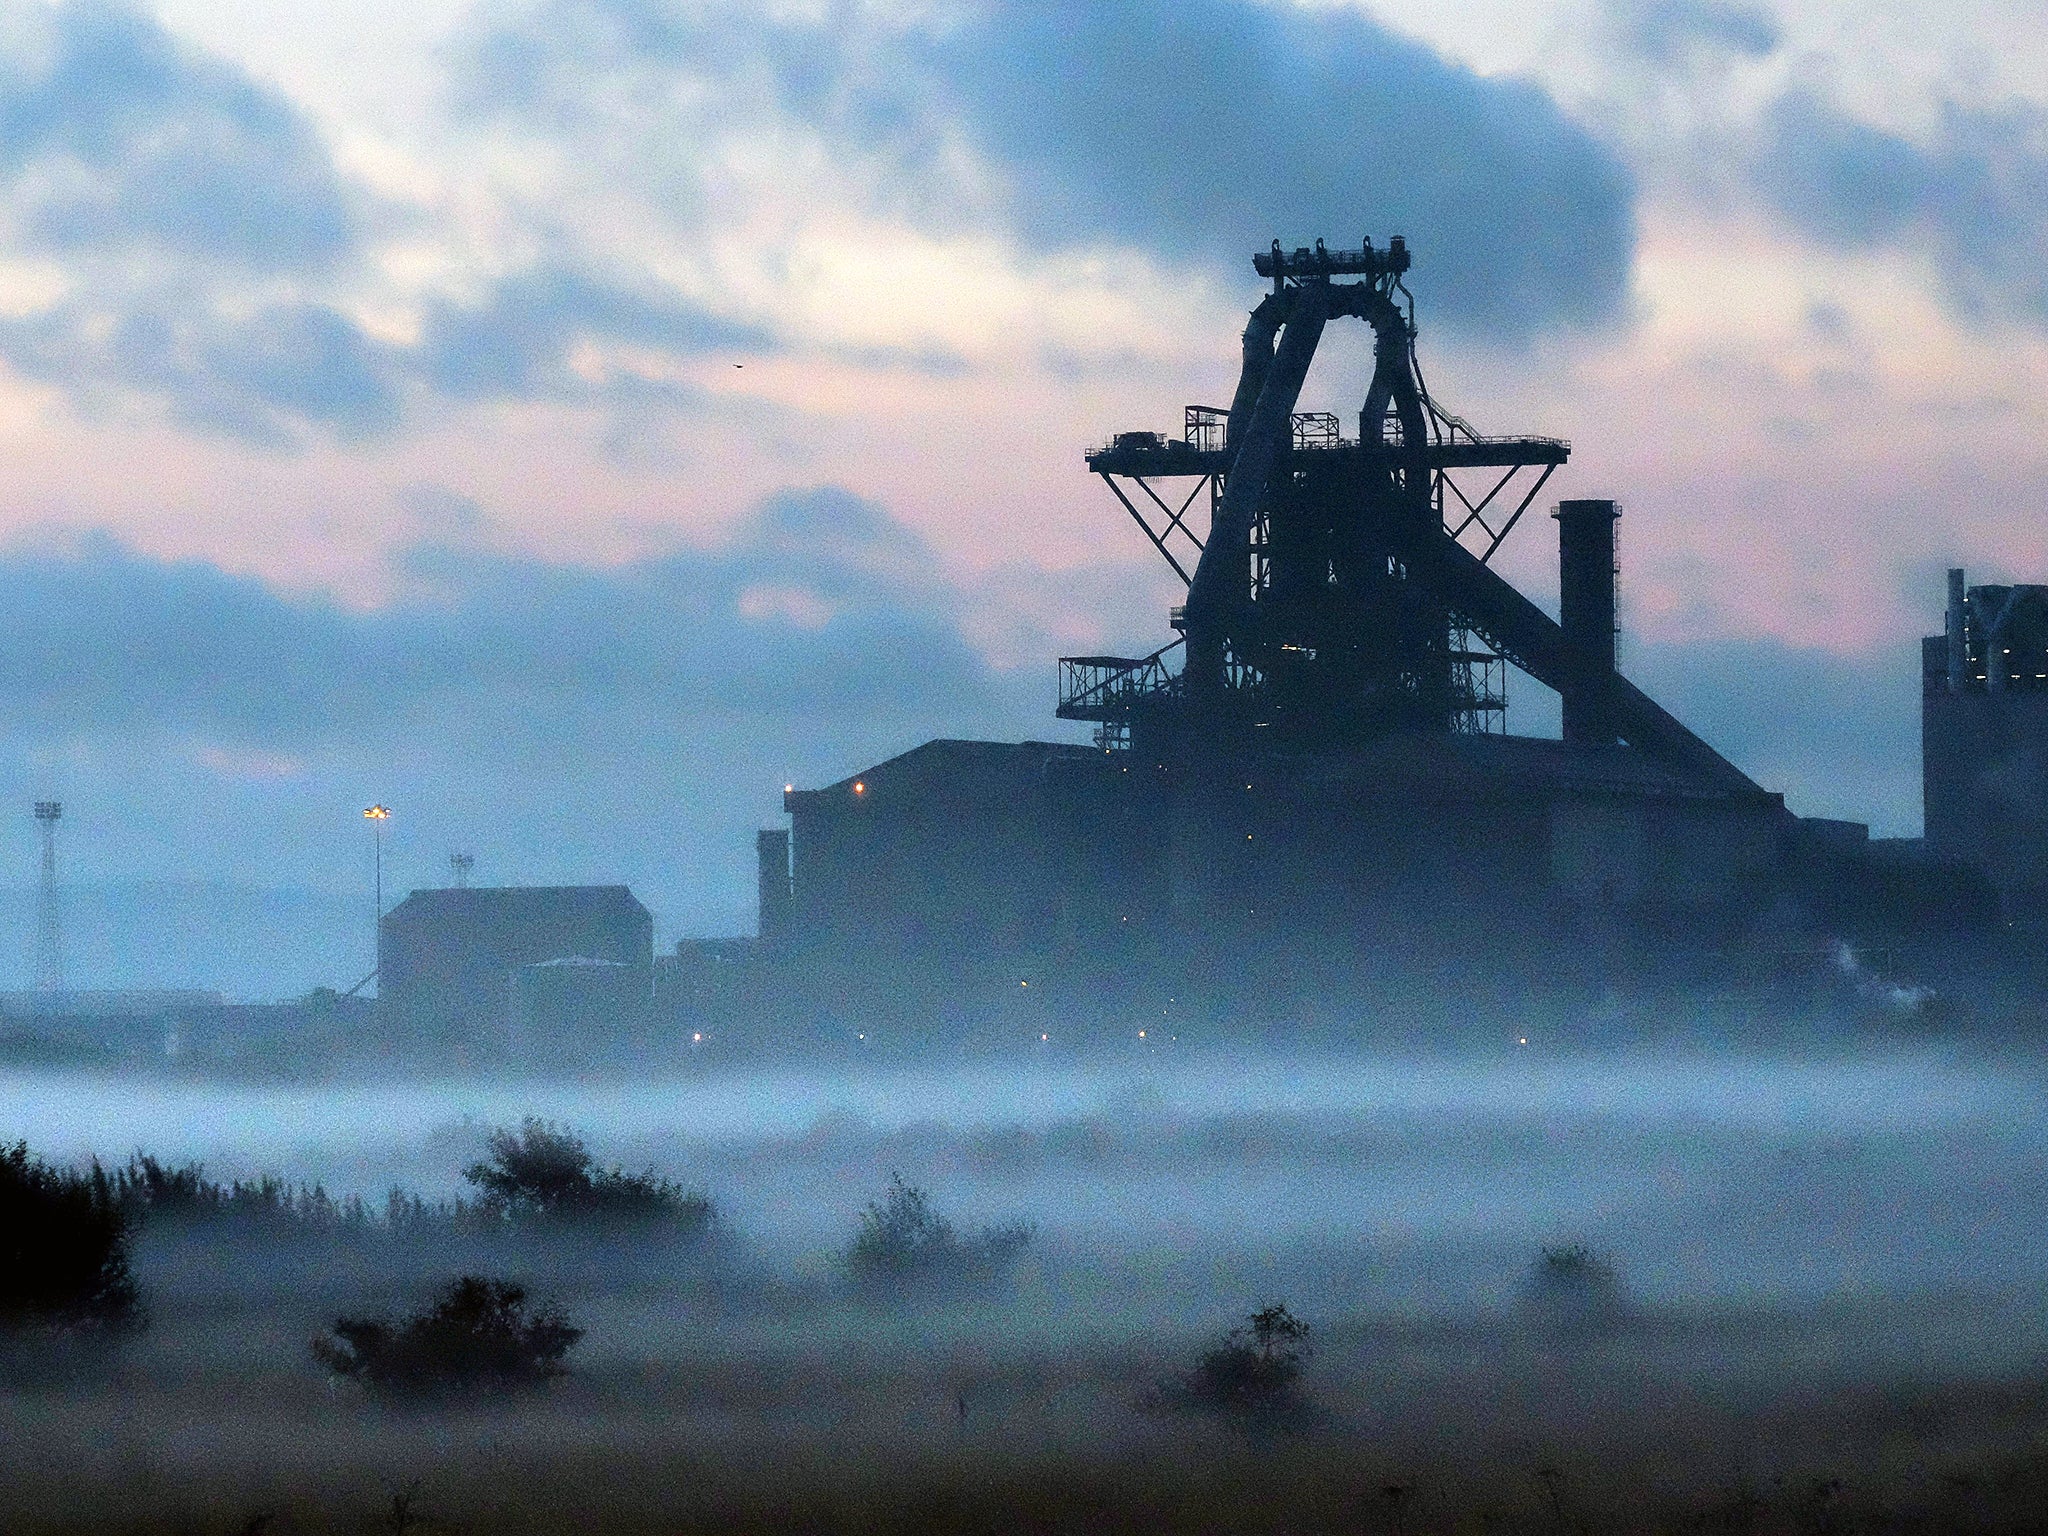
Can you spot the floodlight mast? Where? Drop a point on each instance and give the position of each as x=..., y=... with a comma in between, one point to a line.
x=49, y=912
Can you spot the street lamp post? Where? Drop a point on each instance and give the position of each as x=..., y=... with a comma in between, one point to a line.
x=377, y=815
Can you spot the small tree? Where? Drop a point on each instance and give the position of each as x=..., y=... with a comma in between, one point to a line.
x=1255, y=1373
x=903, y=1243
x=477, y=1337
x=63, y=1246
x=544, y=1173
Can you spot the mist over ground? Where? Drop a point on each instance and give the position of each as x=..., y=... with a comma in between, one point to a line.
x=1828, y=1260
x=1714, y=1177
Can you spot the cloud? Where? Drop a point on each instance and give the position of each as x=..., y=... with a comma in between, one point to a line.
x=566, y=723
x=213, y=261
x=1206, y=127
x=197, y=220
x=1195, y=130
x=1673, y=32
x=209, y=248
x=518, y=341
x=1973, y=193
x=103, y=639
x=263, y=375
x=116, y=140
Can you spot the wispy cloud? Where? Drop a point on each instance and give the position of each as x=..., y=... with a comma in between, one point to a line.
x=116, y=140
x=1193, y=131
x=1973, y=192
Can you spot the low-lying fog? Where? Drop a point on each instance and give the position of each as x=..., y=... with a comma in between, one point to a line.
x=1427, y=1183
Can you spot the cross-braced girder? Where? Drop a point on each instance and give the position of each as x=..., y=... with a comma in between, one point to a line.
x=1343, y=587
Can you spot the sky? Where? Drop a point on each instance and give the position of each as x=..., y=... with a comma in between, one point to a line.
x=567, y=421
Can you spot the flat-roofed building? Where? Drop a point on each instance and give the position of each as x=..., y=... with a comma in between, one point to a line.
x=450, y=961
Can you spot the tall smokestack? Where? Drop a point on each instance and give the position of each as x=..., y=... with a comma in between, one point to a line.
x=1958, y=639
x=1585, y=571
x=776, y=892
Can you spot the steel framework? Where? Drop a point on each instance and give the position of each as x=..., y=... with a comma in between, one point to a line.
x=1343, y=586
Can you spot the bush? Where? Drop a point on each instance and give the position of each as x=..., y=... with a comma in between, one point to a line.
x=63, y=1246
x=149, y=1190
x=1573, y=1286
x=544, y=1173
x=476, y=1338
x=903, y=1244
x=1255, y=1373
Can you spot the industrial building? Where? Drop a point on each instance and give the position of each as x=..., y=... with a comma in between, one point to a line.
x=1984, y=740
x=1311, y=777
x=493, y=967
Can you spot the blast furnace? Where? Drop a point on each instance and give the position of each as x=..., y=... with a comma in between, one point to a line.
x=1312, y=778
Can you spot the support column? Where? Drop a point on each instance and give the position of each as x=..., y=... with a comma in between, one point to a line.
x=1585, y=570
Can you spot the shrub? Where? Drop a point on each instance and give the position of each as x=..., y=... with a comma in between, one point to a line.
x=544, y=1173
x=63, y=1246
x=903, y=1244
x=1255, y=1373
x=477, y=1337
x=149, y=1190
x=1573, y=1286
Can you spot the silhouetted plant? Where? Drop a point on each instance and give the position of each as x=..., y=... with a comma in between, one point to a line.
x=63, y=1246
x=150, y=1190
x=544, y=1173
x=1572, y=1285
x=478, y=1336
x=903, y=1244
x=1255, y=1373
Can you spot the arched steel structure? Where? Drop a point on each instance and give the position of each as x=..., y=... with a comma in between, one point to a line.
x=1343, y=589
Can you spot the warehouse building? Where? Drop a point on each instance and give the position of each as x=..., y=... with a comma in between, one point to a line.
x=494, y=966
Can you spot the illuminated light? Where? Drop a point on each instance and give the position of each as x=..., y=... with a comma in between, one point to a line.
x=1141, y=1034
x=1023, y=983
x=697, y=1039
x=1524, y=1040
x=788, y=788
x=1247, y=837
x=1045, y=1037
x=377, y=813
x=859, y=788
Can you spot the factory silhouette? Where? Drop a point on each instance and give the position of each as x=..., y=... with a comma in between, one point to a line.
x=1304, y=800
